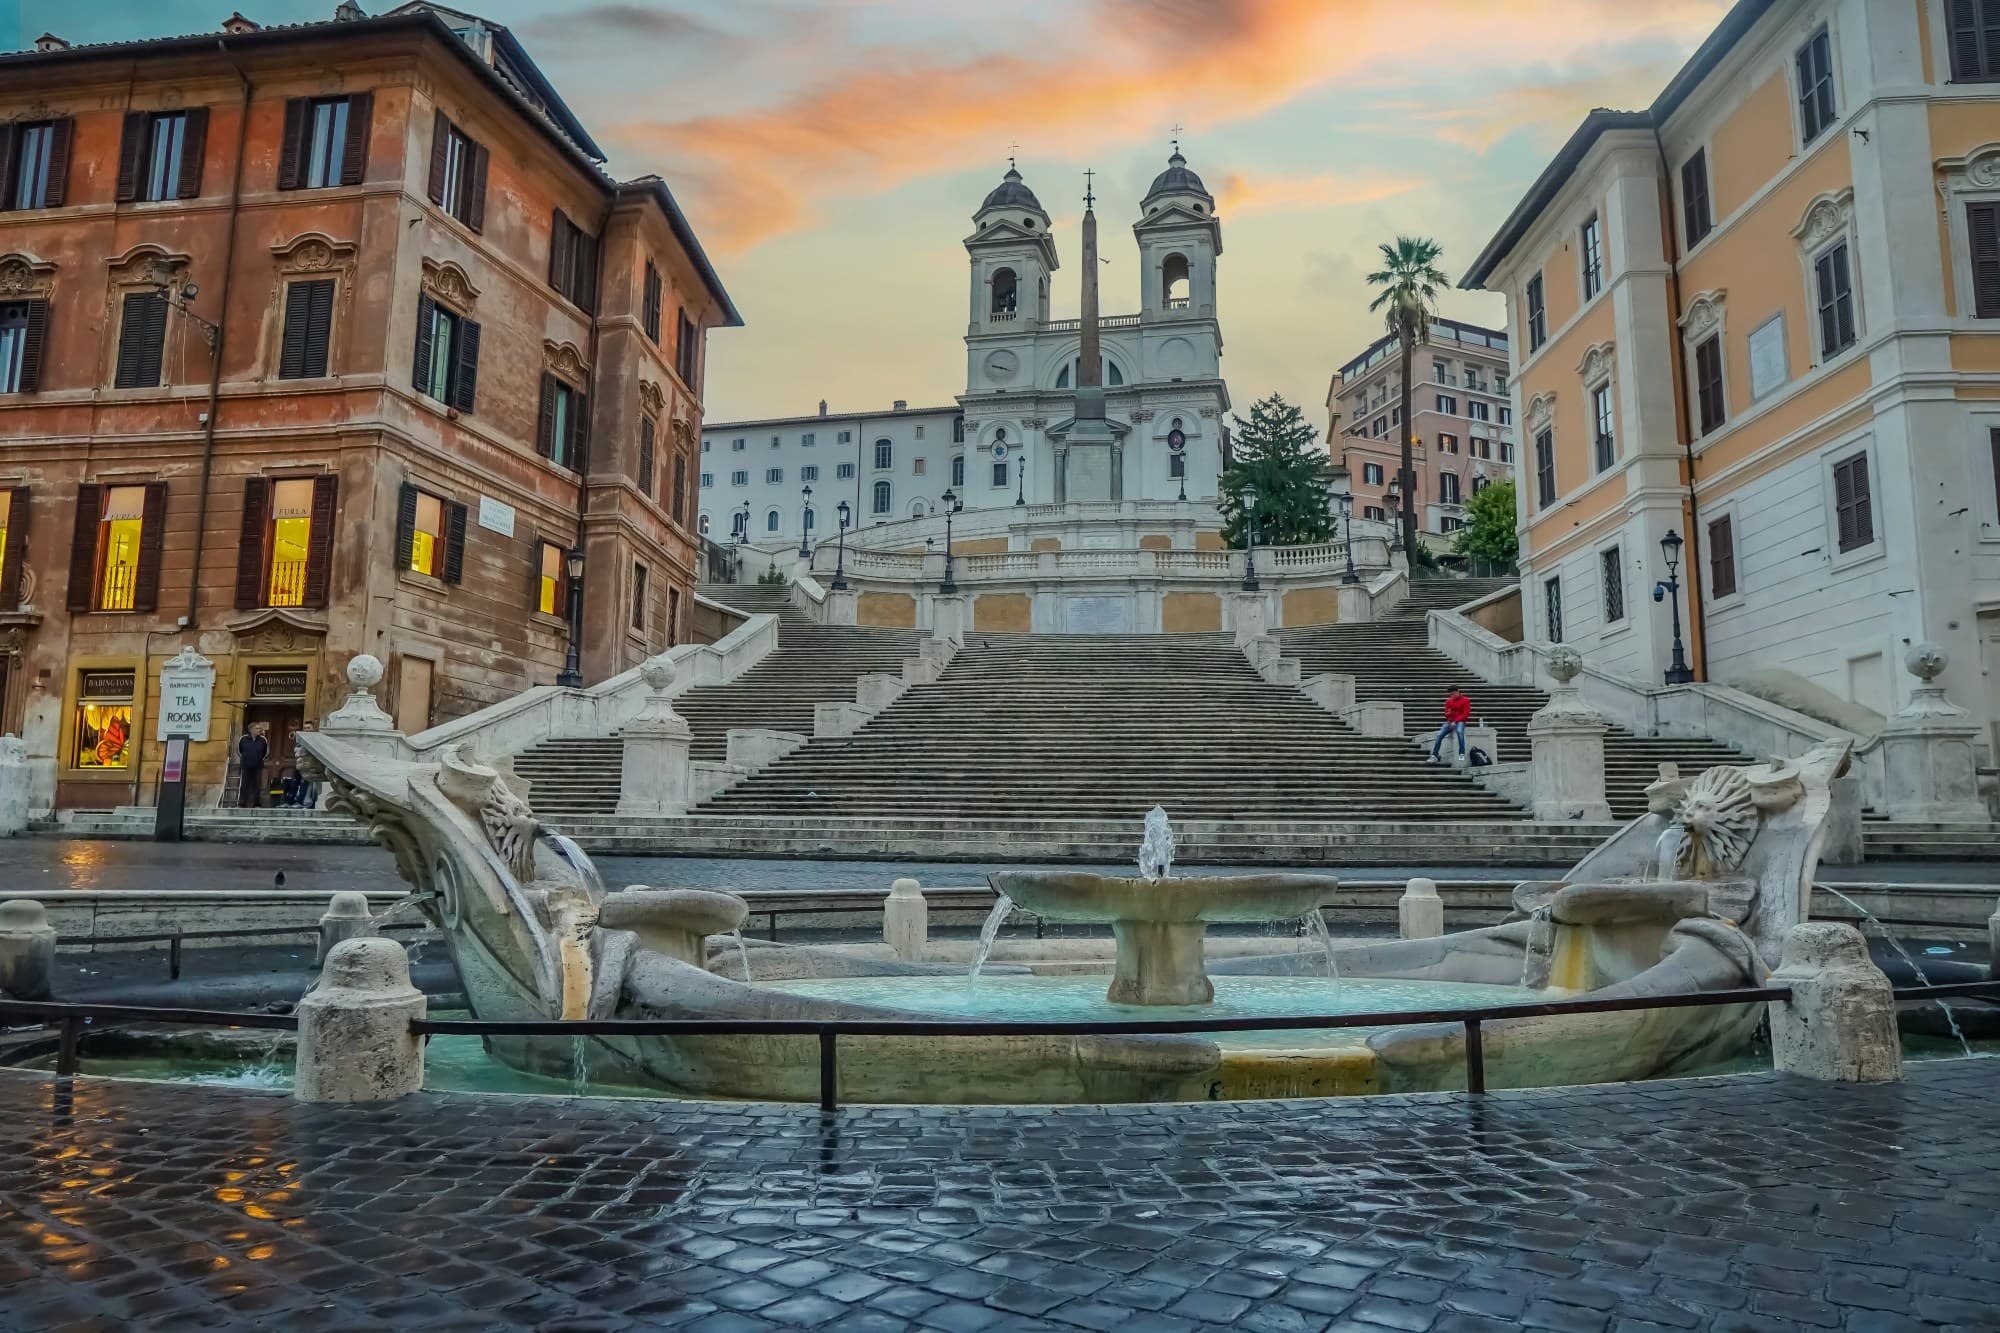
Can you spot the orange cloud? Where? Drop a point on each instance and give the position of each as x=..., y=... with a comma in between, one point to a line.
x=1239, y=193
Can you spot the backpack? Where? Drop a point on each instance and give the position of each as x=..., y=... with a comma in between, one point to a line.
x=1477, y=758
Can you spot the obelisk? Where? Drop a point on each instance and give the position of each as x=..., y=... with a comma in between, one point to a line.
x=1092, y=467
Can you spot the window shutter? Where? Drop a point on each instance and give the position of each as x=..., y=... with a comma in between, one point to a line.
x=319, y=327
x=13, y=559
x=194, y=145
x=83, y=548
x=1864, y=509
x=131, y=152
x=466, y=386
x=475, y=206
x=440, y=141
x=354, y=153
x=646, y=457
x=1843, y=504
x=10, y=136
x=406, y=525
x=292, y=345
x=681, y=514
x=152, y=538
x=1983, y=230
x=1992, y=440
x=1721, y=558
x=545, y=427
x=579, y=435
x=559, y=251
x=1964, y=18
x=250, y=543
x=454, y=548
x=33, y=340
x=420, y=360
x=291, y=149
x=319, y=545
x=141, y=334
x=59, y=140
x=586, y=273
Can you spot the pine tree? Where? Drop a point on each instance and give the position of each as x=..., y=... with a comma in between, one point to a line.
x=1277, y=452
x=1489, y=536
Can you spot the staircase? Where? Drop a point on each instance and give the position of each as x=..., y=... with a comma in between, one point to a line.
x=1391, y=658
x=813, y=663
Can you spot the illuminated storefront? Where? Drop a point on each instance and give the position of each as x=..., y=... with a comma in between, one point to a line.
x=102, y=736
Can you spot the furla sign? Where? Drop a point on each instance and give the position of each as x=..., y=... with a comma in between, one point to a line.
x=187, y=693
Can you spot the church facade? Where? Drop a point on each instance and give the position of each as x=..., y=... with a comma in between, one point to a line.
x=1016, y=433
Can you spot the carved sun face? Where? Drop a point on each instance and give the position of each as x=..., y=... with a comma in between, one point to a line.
x=1719, y=819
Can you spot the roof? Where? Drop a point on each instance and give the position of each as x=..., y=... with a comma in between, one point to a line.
x=1436, y=322
x=518, y=60
x=1011, y=193
x=1176, y=179
x=652, y=187
x=884, y=415
x=1738, y=21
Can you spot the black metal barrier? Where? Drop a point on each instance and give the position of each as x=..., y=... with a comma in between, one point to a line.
x=175, y=938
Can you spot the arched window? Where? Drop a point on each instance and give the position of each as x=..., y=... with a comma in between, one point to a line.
x=1004, y=293
x=1112, y=374
x=739, y=524
x=704, y=525
x=958, y=430
x=883, y=497
x=1174, y=282
x=885, y=454
x=771, y=521
x=958, y=470
x=916, y=509
x=810, y=518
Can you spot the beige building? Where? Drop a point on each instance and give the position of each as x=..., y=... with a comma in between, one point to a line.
x=1764, y=315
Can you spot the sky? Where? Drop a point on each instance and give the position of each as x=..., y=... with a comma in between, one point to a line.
x=831, y=152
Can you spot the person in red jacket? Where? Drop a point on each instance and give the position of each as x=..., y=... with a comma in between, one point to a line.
x=1457, y=712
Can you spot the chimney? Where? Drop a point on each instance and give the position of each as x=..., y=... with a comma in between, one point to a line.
x=48, y=41
x=347, y=11
x=822, y=407
x=900, y=405
x=236, y=25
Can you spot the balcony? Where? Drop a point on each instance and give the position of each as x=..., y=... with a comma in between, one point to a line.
x=1177, y=303
x=1104, y=322
x=288, y=583
x=1001, y=317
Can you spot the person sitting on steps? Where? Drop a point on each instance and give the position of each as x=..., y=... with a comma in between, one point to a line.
x=1457, y=712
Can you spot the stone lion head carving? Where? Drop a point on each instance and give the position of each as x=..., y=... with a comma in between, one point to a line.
x=1718, y=819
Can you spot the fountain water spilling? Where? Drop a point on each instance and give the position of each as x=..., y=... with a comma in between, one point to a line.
x=1869, y=918
x=1156, y=848
x=1317, y=932
x=742, y=951
x=989, y=932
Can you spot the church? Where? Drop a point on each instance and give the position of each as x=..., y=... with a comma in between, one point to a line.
x=1097, y=408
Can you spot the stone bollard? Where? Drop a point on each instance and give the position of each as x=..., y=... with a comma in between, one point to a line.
x=906, y=920
x=15, y=784
x=1251, y=616
x=27, y=950
x=355, y=1043
x=948, y=618
x=653, y=771
x=1566, y=748
x=346, y=917
x=1840, y=1023
x=1420, y=912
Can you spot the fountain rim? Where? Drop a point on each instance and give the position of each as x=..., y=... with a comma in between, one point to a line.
x=1085, y=896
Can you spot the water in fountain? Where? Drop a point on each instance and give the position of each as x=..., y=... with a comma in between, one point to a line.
x=742, y=951
x=1536, y=919
x=989, y=932
x=1156, y=849
x=579, y=1067
x=1667, y=851
x=409, y=902
x=1316, y=930
x=1870, y=918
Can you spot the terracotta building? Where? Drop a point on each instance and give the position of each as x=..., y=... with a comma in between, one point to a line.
x=317, y=341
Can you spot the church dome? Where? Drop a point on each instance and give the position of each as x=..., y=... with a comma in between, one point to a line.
x=1176, y=179
x=1011, y=193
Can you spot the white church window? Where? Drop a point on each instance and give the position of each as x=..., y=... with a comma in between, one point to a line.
x=916, y=467
x=1000, y=474
x=883, y=497
x=771, y=521
x=843, y=471
x=809, y=473
x=707, y=480
x=1174, y=282
x=958, y=470
x=774, y=475
x=885, y=455
x=1112, y=374
x=739, y=479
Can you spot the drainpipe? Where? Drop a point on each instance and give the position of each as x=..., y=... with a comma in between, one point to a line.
x=1697, y=609
x=191, y=621
x=583, y=475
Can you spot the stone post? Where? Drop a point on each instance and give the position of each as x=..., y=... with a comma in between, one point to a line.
x=1379, y=718
x=1928, y=767
x=360, y=721
x=906, y=920
x=1251, y=616
x=346, y=917
x=355, y=1043
x=1353, y=605
x=14, y=786
x=1993, y=945
x=1420, y=912
x=1840, y=1023
x=948, y=618
x=1566, y=739
x=27, y=950
x=840, y=606
x=654, y=777
x=1331, y=690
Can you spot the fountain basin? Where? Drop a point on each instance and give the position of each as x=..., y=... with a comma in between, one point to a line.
x=675, y=922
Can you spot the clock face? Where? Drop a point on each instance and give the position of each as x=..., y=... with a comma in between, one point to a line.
x=1176, y=440
x=1001, y=365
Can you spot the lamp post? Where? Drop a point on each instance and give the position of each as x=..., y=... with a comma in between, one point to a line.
x=743, y=528
x=1347, y=517
x=572, y=673
x=1021, y=480
x=840, y=558
x=1248, y=496
x=952, y=504
x=805, y=524
x=1668, y=590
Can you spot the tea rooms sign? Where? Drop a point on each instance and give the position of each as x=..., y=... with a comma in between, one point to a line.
x=187, y=692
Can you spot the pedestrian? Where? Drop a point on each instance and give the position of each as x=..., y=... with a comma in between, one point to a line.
x=1457, y=712
x=252, y=749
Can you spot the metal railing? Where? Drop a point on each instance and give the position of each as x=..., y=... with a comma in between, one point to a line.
x=174, y=939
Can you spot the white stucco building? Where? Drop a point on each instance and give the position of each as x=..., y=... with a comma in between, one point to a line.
x=1006, y=437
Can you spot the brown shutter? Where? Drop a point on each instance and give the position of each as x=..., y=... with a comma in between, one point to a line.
x=440, y=141
x=466, y=386
x=586, y=273
x=545, y=427
x=10, y=138
x=579, y=434
x=14, y=556
x=420, y=360
x=292, y=343
x=1864, y=509
x=194, y=146
x=152, y=538
x=559, y=251
x=406, y=526
x=1982, y=223
x=60, y=134
x=1964, y=18
x=475, y=205
x=131, y=154
x=33, y=340
x=679, y=510
x=319, y=542
x=82, y=594
x=354, y=153
x=454, y=543
x=645, y=477
x=250, y=543
x=292, y=147
x=1843, y=504
x=141, y=335
x=319, y=327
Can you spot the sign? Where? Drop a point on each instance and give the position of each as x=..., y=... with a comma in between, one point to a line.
x=176, y=761
x=277, y=682
x=496, y=516
x=106, y=685
x=187, y=692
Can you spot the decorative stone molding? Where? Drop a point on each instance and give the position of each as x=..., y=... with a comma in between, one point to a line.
x=1597, y=364
x=1142, y=415
x=1539, y=412
x=147, y=265
x=447, y=282
x=1826, y=217
x=1704, y=314
x=314, y=254
x=1978, y=169
x=565, y=362
x=650, y=397
x=23, y=277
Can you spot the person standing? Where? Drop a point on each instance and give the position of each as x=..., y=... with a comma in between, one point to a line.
x=252, y=749
x=1457, y=712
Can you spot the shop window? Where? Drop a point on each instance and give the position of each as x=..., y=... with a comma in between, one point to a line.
x=287, y=536
x=13, y=546
x=102, y=731
x=430, y=537
x=548, y=578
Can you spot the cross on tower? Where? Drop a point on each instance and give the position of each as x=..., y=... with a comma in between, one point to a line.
x=1177, y=137
x=1012, y=149
x=1089, y=198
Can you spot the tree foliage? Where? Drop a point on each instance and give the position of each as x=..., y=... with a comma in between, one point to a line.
x=1410, y=280
x=1278, y=452
x=1489, y=533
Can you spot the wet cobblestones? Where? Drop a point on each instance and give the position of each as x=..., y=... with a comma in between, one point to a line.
x=1754, y=1203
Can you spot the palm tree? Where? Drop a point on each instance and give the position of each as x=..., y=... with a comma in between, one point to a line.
x=1409, y=279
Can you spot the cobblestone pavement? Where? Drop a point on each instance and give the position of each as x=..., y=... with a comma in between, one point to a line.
x=1758, y=1203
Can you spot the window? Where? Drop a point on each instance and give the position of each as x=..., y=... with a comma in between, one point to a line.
x=843, y=471
x=446, y=363
x=458, y=173
x=1815, y=67
x=13, y=544
x=1000, y=474
x=1975, y=40
x=777, y=440
x=1506, y=413
x=1448, y=491
x=1371, y=474
x=573, y=261
x=1480, y=483
x=286, y=543
x=1176, y=465
x=1448, y=404
x=639, y=597
x=1545, y=468
x=739, y=479
x=1722, y=557
x=847, y=437
x=160, y=155
x=302, y=352
x=1611, y=575
x=1708, y=383
x=957, y=430
x=325, y=143
x=1695, y=215
x=680, y=506
x=739, y=526
x=1381, y=431
x=549, y=588
x=649, y=303
x=102, y=736
x=34, y=164
x=648, y=437
x=23, y=334
x=563, y=436
x=430, y=534
x=1600, y=420
x=806, y=440
x=1506, y=452
x=1538, y=315
x=115, y=552
x=885, y=455
x=1992, y=443
x=1593, y=259
x=1479, y=411
x=916, y=467
x=920, y=430
x=1376, y=512
x=1472, y=378
x=1552, y=598
x=1500, y=383
x=1004, y=293
x=1982, y=222
x=958, y=470
x=1854, y=508
x=1835, y=291
x=736, y=445
x=687, y=346
x=707, y=480
x=809, y=516
x=1447, y=444
x=771, y=521
x=142, y=339
x=774, y=476
x=1441, y=372
x=808, y=474
x=1479, y=448
x=882, y=497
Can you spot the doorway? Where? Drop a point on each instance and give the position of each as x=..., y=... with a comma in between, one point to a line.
x=413, y=696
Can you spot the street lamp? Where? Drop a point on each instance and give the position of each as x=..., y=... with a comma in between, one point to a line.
x=952, y=504
x=1668, y=591
x=743, y=528
x=1347, y=517
x=1248, y=495
x=1021, y=480
x=572, y=673
x=840, y=559
x=806, y=524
